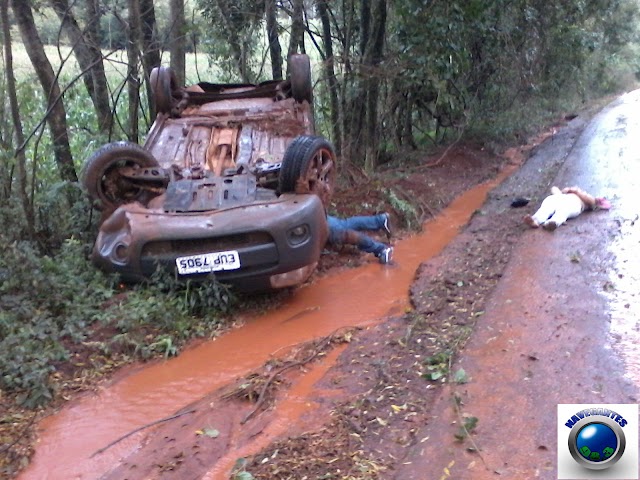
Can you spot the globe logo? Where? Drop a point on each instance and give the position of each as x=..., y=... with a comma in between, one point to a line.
x=596, y=442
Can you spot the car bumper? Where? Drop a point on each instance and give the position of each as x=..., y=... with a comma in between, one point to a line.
x=278, y=242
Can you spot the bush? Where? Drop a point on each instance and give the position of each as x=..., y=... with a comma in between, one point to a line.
x=43, y=300
x=50, y=305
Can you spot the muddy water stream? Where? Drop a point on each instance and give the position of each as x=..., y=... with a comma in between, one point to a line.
x=357, y=297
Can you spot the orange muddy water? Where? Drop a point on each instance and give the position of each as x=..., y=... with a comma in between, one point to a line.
x=357, y=297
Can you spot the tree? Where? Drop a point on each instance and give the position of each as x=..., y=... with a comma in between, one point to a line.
x=177, y=39
x=133, y=80
x=27, y=206
x=233, y=33
x=150, y=46
x=328, y=61
x=296, y=39
x=87, y=51
x=56, y=114
x=360, y=93
x=372, y=58
x=275, y=50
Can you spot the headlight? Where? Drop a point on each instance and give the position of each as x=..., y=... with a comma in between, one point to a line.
x=121, y=253
x=299, y=234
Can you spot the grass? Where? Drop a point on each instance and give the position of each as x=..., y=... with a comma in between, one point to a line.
x=198, y=66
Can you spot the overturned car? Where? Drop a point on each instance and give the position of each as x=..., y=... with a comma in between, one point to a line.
x=231, y=181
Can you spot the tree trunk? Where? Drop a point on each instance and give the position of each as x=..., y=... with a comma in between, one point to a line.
x=296, y=42
x=150, y=47
x=401, y=111
x=348, y=13
x=274, y=43
x=355, y=113
x=365, y=25
x=100, y=84
x=177, y=39
x=56, y=117
x=89, y=57
x=133, y=80
x=327, y=41
x=373, y=58
x=15, y=116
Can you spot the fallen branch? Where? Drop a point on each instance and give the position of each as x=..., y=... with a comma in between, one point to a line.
x=467, y=432
x=7, y=447
x=437, y=162
x=132, y=432
x=261, y=397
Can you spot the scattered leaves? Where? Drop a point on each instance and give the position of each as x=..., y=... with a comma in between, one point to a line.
x=460, y=376
x=208, y=432
x=466, y=428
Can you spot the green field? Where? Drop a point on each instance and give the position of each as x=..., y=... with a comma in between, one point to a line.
x=198, y=65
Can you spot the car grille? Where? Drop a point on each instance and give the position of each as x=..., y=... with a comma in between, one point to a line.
x=205, y=245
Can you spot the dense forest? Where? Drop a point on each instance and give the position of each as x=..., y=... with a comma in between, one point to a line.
x=390, y=78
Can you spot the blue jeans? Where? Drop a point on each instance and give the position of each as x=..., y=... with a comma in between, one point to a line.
x=347, y=231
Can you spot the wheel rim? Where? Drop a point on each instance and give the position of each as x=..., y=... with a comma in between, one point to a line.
x=318, y=178
x=114, y=188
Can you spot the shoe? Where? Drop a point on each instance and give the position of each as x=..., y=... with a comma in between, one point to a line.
x=386, y=225
x=550, y=225
x=520, y=202
x=384, y=256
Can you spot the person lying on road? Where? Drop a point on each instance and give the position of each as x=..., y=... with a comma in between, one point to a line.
x=563, y=204
x=348, y=231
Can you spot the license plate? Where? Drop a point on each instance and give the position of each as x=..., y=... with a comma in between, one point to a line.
x=208, y=262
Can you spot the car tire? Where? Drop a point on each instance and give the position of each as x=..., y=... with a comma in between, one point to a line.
x=309, y=166
x=164, y=88
x=300, y=73
x=100, y=176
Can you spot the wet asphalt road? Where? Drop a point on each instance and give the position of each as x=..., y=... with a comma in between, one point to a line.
x=562, y=327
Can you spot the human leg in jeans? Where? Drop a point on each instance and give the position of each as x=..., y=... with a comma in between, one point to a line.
x=370, y=223
x=347, y=231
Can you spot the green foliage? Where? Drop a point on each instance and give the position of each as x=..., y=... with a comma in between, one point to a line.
x=111, y=29
x=482, y=64
x=43, y=302
x=177, y=311
x=468, y=426
x=50, y=306
x=48, y=25
x=460, y=377
x=438, y=366
x=408, y=212
x=231, y=35
x=63, y=211
x=239, y=472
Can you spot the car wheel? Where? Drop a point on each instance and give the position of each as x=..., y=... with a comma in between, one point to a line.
x=102, y=178
x=309, y=166
x=165, y=88
x=300, y=73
